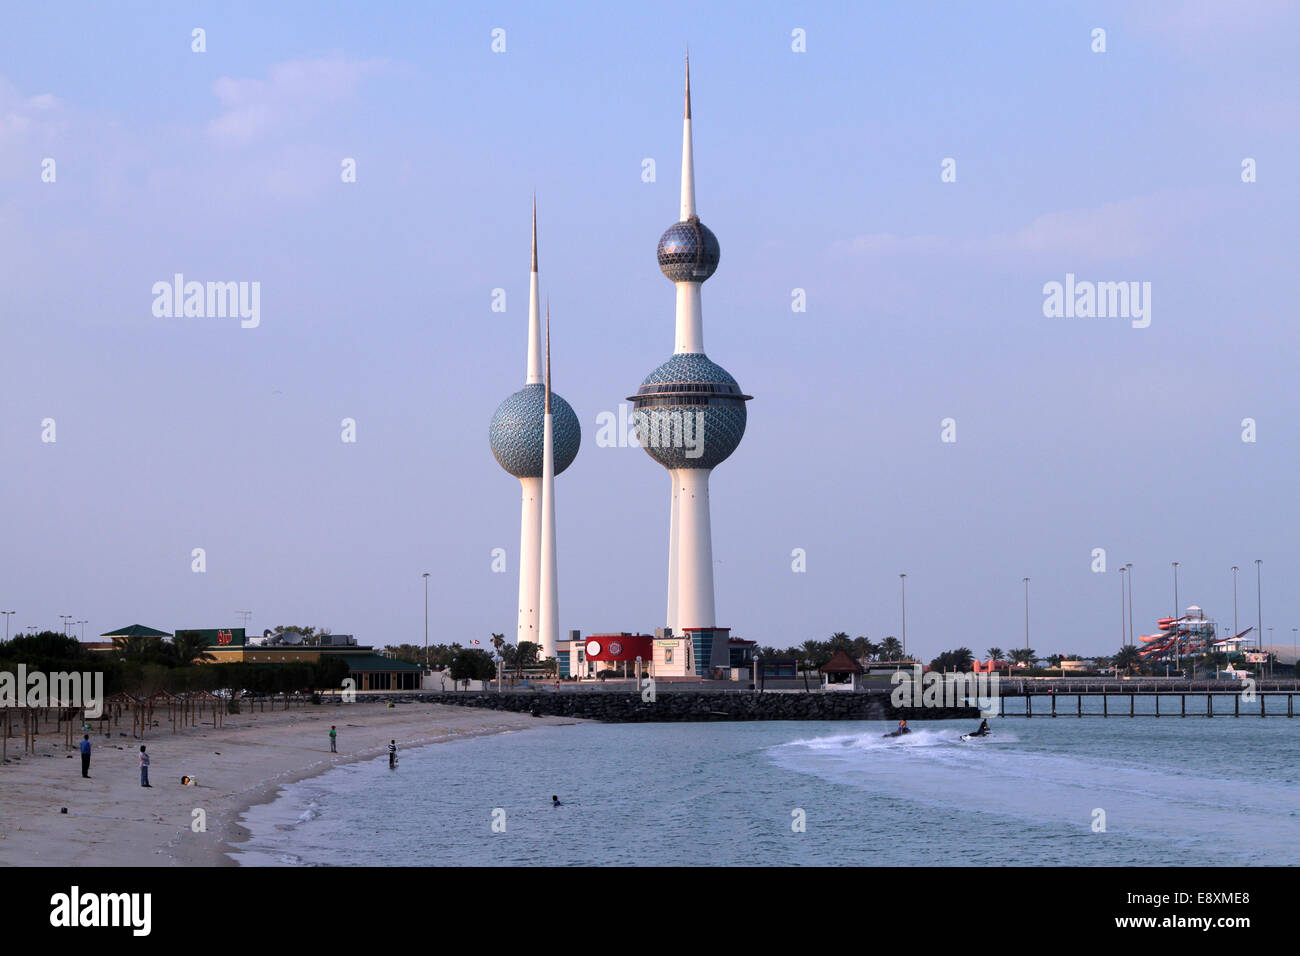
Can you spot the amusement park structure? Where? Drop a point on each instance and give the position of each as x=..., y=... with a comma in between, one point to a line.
x=1191, y=635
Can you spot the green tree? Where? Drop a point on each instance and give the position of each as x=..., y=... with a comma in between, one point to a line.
x=525, y=656
x=471, y=663
x=891, y=649
x=1127, y=659
x=46, y=644
x=994, y=653
x=188, y=648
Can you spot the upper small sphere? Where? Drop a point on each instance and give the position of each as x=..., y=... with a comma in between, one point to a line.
x=517, y=433
x=688, y=251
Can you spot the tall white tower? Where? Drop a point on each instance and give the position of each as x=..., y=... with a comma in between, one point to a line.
x=690, y=412
x=519, y=441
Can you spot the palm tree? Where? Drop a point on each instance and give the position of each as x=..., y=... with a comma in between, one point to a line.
x=1128, y=658
x=891, y=649
x=188, y=648
x=994, y=653
x=1023, y=656
x=863, y=649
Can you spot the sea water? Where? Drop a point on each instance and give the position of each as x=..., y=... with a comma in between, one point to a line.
x=1121, y=791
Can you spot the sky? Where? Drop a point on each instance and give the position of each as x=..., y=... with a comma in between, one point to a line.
x=819, y=169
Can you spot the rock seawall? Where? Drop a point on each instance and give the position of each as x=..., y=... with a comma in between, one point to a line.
x=688, y=706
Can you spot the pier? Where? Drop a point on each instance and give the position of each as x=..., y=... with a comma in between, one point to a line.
x=1159, y=697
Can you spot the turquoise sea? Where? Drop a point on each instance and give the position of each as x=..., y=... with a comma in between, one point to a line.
x=1173, y=792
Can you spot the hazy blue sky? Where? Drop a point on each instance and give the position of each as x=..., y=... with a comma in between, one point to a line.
x=816, y=170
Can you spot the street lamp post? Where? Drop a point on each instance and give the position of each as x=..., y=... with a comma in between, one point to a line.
x=1259, y=607
x=902, y=588
x=1123, y=615
x=1026, y=620
x=1132, y=634
x=7, y=615
x=426, y=620
x=1177, y=616
x=1235, y=632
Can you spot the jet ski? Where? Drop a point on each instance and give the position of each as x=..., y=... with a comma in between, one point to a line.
x=975, y=736
x=898, y=733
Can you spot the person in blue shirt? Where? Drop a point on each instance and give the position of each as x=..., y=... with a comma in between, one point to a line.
x=85, y=756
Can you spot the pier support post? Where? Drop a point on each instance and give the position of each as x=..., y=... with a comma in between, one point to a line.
x=1209, y=705
x=1053, y=705
x=1236, y=705
x=1079, y=701
x=1132, y=701
x=1184, y=705
x=1105, y=703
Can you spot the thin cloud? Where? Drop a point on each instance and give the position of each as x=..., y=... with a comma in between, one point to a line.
x=294, y=92
x=1124, y=229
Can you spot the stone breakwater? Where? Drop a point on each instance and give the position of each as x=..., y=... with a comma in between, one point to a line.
x=698, y=706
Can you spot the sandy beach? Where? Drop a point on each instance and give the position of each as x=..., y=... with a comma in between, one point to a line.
x=113, y=821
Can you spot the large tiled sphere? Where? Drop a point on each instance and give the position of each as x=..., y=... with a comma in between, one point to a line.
x=518, y=431
x=688, y=251
x=677, y=398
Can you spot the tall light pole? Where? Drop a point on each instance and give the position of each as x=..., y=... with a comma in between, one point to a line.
x=1235, y=632
x=902, y=585
x=1026, y=619
x=1132, y=634
x=1123, y=614
x=1259, y=607
x=65, y=618
x=426, y=620
x=1177, y=616
x=1295, y=664
x=7, y=615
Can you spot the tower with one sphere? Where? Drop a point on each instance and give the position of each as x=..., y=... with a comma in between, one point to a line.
x=518, y=438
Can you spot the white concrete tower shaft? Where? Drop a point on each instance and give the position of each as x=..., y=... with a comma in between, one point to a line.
x=694, y=550
x=548, y=618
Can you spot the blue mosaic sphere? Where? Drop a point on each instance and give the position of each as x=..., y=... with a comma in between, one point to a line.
x=518, y=432
x=688, y=251
x=690, y=413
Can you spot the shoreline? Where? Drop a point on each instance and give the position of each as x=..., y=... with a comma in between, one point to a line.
x=112, y=821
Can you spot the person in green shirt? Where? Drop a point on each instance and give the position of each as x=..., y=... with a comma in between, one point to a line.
x=333, y=739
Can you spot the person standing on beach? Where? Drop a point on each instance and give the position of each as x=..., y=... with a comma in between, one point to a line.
x=85, y=756
x=333, y=739
x=392, y=754
x=144, y=769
